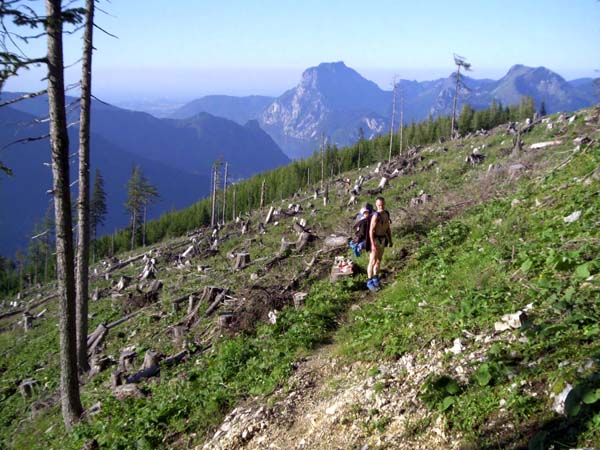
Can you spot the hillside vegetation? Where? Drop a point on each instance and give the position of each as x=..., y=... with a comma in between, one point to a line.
x=484, y=336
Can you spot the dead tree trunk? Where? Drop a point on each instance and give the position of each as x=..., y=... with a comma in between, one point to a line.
x=263, y=189
x=59, y=143
x=83, y=206
x=225, y=192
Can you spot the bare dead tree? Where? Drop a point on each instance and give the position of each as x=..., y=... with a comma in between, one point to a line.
x=401, y=119
x=83, y=203
x=460, y=61
x=225, y=192
x=214, y=219
x=322, y=160
x=361, y=136
x=393, y=117
x=263, y=193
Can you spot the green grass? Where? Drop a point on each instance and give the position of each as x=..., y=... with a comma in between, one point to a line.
x=458, y=263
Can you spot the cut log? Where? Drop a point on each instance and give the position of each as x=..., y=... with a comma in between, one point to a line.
x=242, y=260
x=120, y=265
x=155, y=369
x=336, y=241
x=215, y=304
x=269, y=215
x=540, y=145
x=96, y=339
x=382, y=183
x=188, y=253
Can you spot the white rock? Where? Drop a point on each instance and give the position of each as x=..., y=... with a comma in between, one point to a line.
x=457, y=348
x=515, y=202
x=572, y=217
x=559, y=400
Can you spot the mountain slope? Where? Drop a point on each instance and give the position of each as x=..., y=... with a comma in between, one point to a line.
x=431, y=361
x=23, y=198
x=238, y=109
x=335, y=100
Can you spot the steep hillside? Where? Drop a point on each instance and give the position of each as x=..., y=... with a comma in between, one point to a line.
x=483, y=336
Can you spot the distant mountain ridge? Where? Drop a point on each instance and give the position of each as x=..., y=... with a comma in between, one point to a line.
x=238, y=109
x=176, y=156
x=335, y=100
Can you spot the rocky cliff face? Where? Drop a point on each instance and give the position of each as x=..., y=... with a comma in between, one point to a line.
x=330, y=98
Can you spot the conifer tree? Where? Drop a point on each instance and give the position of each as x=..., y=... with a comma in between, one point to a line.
x=98, y=207
x=140, y=193
x=460, y=62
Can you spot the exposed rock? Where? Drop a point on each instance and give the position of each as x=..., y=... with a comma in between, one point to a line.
x=511, y=321
x=572, y=217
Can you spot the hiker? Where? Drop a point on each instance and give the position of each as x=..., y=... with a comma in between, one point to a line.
x=361, y=230
x=380, y=233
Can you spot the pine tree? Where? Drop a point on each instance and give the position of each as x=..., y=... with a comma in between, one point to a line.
x=140, y=194
x=98, y=207
x=543, y=111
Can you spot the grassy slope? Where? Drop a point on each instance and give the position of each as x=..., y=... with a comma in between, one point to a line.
x=473, y=255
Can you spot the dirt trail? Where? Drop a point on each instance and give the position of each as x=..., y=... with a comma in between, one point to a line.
x=329, y=405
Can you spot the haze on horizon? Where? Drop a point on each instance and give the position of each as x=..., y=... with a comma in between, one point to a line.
x=204, y=48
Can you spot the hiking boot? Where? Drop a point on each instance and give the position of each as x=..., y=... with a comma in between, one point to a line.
x=371, y=286
x=375, y=281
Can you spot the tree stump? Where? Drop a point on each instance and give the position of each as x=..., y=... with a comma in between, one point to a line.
x=303, y=240
x=242, y=260
x=98, y=364
x=151, y=359
x=123, y=283
x=225, y=319
x=27, y=321
x=126, y=360
x=178, y=336
x=28, y=387
x=299, y=299
x=286, y=247
x=192, y=302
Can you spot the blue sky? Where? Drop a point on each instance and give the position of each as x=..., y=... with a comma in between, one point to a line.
x=189, y=48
